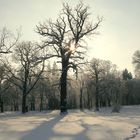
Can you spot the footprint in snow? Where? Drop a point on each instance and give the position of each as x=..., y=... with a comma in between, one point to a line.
x=134, y=133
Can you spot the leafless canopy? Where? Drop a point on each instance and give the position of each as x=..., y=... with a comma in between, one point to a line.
x=28, y=72
x=65, y=36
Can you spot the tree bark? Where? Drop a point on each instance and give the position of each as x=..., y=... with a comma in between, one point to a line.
x=89, y=100
x=1, y=106
x=109, y=102
x=24, y=108
x=41, y=102
x=63, y=91
x=97, y=98
x=81, y=98
x=97, y=92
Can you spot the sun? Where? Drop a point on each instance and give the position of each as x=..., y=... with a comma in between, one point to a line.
x=72, y=47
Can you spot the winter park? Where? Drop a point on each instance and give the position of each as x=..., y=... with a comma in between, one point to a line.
x=69, y=70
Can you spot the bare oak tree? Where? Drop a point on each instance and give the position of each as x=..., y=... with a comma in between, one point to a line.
x=64, y=39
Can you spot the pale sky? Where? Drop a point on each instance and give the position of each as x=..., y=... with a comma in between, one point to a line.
x=119, y=34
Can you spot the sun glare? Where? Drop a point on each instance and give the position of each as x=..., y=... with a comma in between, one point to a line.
x=72, y=47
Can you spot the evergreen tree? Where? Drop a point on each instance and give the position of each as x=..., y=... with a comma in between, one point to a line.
x=126, y=75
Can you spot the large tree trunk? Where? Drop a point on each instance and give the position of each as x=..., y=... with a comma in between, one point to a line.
x=41, y=102
x=16, y=108
x=81, y=98
x=14, y=105
x=32, y=103
x=1, y=106
x=63, y=91
x=24, y=107
x=24, y=94
x=97, y=93
x=109, y=102
x=97, y=98
x=89, y=100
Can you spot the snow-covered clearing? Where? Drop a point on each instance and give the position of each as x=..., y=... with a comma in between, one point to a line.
x=76, y=125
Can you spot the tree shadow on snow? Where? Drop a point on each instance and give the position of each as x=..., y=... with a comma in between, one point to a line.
x=45, y=131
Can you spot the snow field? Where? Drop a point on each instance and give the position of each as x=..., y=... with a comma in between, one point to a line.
x=77, y=125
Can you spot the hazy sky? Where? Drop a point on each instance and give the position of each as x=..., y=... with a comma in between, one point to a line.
x=119, y=32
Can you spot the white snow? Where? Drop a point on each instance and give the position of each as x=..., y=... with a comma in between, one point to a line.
x=77, y=125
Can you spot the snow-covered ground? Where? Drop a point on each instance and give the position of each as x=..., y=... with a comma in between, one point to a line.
x=77, y=125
